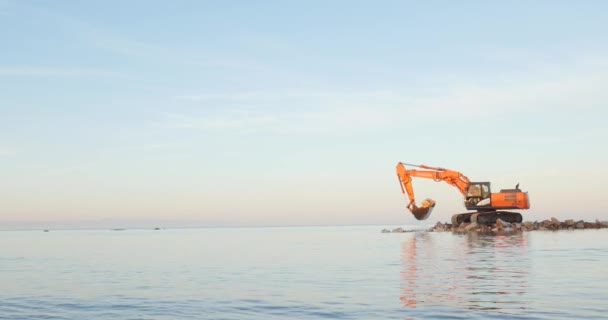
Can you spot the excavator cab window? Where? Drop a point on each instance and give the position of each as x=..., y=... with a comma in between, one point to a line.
x=485, y=191
x=474, y=191
x=478, y=194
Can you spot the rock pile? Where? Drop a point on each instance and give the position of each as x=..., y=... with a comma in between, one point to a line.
x=398, y=230
x=502, y=226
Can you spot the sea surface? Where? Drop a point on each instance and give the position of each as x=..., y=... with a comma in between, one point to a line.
x=302, y=273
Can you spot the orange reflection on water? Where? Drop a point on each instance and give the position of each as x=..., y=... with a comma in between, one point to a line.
x=465, y=271
x=408, y=273
x=419, y=281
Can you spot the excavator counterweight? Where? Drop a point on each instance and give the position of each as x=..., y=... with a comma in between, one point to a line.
x=477, y=196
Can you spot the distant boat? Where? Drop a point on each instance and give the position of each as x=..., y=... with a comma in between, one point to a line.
x=46, y=230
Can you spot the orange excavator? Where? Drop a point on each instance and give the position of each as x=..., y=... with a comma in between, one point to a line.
x=488, y=206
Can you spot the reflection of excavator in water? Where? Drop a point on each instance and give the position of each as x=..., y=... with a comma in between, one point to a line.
x=477, y=196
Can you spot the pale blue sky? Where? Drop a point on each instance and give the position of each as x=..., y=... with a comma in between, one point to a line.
x=295, y=113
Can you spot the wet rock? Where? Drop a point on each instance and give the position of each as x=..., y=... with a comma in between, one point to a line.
x=502, y=225
x=462, y=227
x=439, y=227
x=472, y=227
x=591, y=225
x=498, y=223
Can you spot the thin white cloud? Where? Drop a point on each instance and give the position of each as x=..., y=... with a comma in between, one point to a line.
x=115, y=41
x=181, y=121
x=292, y=111
x=526, y=96
x=230, y=64
x=53, y=71
x=547, y=90
x=282, y=95
x=94, y=35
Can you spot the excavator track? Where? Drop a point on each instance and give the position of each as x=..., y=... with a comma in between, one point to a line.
x=461, y=217
x=487, y=217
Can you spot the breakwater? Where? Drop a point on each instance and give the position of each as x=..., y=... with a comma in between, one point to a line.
x=502, y=226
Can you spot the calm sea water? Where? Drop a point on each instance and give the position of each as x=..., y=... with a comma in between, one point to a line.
x=302, y=273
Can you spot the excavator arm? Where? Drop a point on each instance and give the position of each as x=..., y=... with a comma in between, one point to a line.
x=405, y=175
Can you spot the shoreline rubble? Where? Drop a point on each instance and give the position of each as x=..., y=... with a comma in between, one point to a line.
x=501, y=226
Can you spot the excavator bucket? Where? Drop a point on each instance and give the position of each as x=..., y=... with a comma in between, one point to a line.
x=424, y=211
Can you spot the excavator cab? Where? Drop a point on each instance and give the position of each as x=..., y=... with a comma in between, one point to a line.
x=477, y=196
